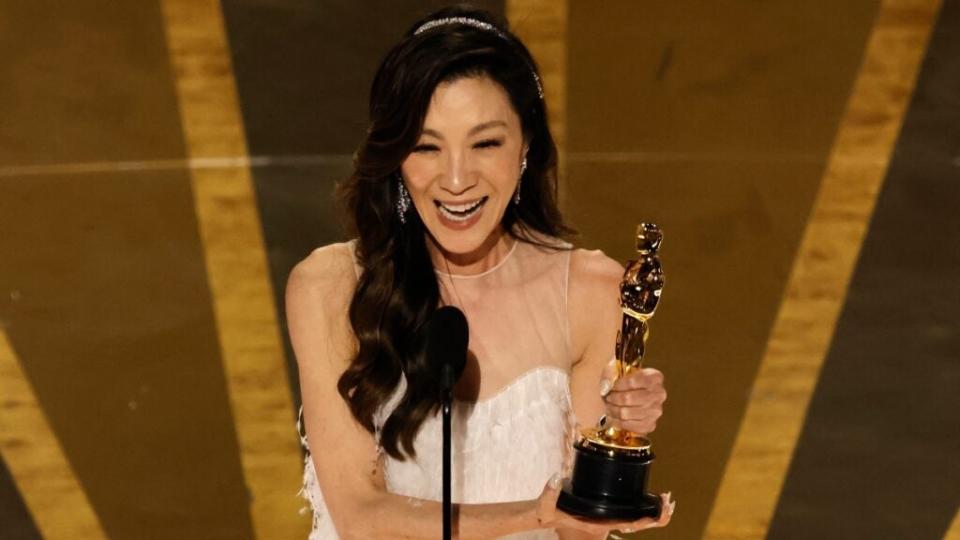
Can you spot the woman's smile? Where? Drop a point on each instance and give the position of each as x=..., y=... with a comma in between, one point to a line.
x=460, y=215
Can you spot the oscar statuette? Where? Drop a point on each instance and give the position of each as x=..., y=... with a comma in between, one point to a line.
x=610, y=468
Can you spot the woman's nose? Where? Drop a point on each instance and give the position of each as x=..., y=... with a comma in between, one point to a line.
x=458, y=177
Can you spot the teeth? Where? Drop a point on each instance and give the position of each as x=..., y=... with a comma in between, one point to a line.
x=461, y=212
x=462, y=207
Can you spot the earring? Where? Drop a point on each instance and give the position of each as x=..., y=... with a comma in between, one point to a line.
x=403, y=200
x=523, y=168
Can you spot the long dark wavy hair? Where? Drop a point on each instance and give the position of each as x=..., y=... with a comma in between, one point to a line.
x=398, y=290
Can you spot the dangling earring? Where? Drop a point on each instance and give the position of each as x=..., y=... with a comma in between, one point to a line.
x=523, y=168
x=403, y=200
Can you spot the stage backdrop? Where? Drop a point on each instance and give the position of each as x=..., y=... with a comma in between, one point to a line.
x=165, y=163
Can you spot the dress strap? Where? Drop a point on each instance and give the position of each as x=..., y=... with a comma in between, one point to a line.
x=352, y=250
x=301, y=431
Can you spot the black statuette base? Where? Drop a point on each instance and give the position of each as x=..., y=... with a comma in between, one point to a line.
x=609, y=487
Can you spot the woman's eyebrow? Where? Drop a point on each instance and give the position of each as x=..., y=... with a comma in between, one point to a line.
x=474, y=129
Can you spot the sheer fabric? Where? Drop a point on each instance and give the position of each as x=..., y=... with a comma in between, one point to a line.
x=512, y=419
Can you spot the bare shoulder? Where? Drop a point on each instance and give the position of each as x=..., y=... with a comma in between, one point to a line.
x=593, y=270
x=325, y=276
x=593, y=300
x=318, y=294
x=327, y=266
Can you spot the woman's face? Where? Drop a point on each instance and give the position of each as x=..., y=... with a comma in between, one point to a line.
x=464, y=169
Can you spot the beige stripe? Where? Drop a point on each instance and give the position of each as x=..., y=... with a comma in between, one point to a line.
x=43, y=475
x=237, y=268
x=210, y=162
x=542, y=26
x=818, y=282
x=953, y=533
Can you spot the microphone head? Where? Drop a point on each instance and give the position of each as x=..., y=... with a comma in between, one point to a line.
x=447, y=338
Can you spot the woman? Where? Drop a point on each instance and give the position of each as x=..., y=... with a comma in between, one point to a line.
x=453, y=203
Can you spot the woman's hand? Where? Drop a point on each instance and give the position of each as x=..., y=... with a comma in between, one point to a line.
x=551, y=517
x=635, y=401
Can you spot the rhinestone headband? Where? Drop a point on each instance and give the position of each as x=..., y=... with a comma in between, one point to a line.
x=485, y=26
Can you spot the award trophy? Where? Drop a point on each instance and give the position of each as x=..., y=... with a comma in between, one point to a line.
x=610, y=469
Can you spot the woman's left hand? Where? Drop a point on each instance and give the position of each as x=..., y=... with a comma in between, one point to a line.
x=634, y=401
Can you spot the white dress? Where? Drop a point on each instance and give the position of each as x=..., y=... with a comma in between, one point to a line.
x=515, y=433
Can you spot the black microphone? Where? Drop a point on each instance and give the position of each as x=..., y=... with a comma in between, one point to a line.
x=447, y=340
x=446, y=348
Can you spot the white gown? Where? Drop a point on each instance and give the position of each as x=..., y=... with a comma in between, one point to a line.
x=515, y=433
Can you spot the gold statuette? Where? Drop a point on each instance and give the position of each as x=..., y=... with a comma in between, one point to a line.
x=611, y=466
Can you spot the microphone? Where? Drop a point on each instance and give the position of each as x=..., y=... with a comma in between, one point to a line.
x=446, y=349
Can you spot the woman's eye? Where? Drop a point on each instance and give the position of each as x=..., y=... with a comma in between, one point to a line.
x=489, y=143
x=424, y=148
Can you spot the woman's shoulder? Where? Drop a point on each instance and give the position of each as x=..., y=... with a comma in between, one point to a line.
x=587, y=270
x=593, y=300
x=324, y=272
x=592, y=268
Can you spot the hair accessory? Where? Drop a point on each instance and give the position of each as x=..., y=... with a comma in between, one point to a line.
x=485, y=26
x=403, y=200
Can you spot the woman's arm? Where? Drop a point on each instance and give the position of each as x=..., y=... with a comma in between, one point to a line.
x=594, y=307
x=344, y=454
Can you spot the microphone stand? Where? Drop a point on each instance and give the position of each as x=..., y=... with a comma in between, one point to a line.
x=446, y=401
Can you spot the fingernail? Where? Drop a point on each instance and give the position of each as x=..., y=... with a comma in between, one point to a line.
x=554, y=481
x=672, y=506
x=605, y=386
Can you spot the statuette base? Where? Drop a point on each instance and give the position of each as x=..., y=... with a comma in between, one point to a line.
x=609, y=481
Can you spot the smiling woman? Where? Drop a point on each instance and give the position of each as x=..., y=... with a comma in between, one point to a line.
x=453, y=202
x=466, y=170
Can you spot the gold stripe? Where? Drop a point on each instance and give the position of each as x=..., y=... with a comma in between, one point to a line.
x=237, y=267
x=542, y=26
x=213, y=162
x=54, y=497
x=953, y=533
x=817, y=286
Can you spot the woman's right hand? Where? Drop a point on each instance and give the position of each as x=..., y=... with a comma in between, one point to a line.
x=552, y=517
